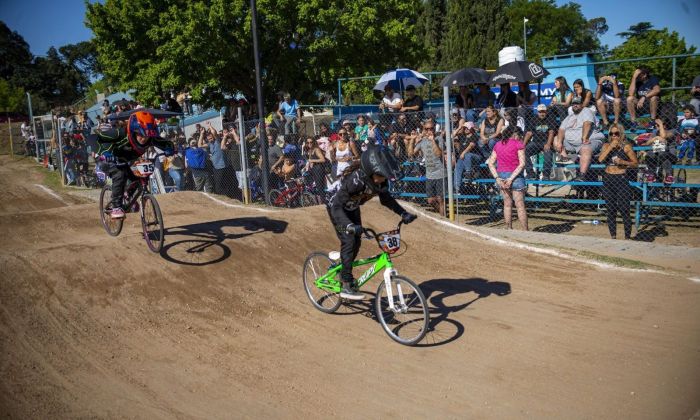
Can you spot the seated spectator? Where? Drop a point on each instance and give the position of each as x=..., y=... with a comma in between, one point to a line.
x=644, y=93
x=585, y=94
x=375, y=135
x=413, y=104
x=506, y=164
x=473, y=152
x=391, y=103
x=539, y=139
x=609, y=92
x=491, y=127
x=484, y=96
x=314, y=164
x=662, y=155
x=507, y=98
x=465, y=104
x=290, y=113
x=688, y=126
x=618, y=156
x=525, y=97
x=274, y=155
x=695, y=95
x=288, y=170
x=561, y=99
x=577, y=134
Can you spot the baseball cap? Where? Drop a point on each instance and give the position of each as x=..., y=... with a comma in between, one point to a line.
x=576, y=100
x=342, y=123
x=470, y=125
x=541, y=107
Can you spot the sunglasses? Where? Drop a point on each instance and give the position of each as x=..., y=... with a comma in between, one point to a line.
x=615, y=133
x=429, y=128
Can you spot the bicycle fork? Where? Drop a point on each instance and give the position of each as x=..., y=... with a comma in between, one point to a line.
x=389, y=292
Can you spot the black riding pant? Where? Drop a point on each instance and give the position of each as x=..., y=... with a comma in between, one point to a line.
x=120, y=174
x=349, y=244
x=617, y=194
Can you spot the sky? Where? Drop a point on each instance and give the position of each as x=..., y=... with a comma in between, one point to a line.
x=46, y=23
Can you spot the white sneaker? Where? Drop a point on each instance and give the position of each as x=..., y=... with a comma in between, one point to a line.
x=350, y=293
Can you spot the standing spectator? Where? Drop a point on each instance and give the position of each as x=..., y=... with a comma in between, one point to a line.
x=69, y=156
x=644, y=94
x=525, y=97
x=413, y=104
x=375, y=135
x=507, y=98
x=465, y=104
x=431, y=148
x=609, y=92
x=176, y=168
x=231, y=147
x=274, y=154
x=196, y=162
x=506, y=164
x=345, y=152
x=577, y=134
x=361, y=130
x=491, y=127
x=695, y=95
x=474, y=153
x=290, y=114
x=618, y=156
x=541, y=140
x=106, y=109
x=313, y=155
x=210, y=139
x=561, y=99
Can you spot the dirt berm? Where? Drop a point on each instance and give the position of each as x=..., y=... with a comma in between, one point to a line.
x=218, y=326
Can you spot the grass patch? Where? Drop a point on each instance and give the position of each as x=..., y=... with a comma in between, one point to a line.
x=618, y=261
x=52, y=179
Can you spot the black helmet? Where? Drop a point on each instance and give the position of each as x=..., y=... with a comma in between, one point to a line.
x=379, y=160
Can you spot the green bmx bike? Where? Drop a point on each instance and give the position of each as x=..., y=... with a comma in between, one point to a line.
x=400, y=305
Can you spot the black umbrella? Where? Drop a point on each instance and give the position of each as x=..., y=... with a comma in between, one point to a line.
x=466, y=76
x=518, y=71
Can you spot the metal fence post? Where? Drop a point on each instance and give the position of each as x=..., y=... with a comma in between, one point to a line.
x=673, y=80
x=9, y=128
x=244, y=157
x=59, y=155
x=448, y=145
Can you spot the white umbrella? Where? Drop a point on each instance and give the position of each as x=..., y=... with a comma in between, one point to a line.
x=399, y=79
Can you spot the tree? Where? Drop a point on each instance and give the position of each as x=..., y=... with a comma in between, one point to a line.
x=476, y=31
x=639, y=29
x=55, y=81
x=15, y=56
x=431, y=26
x=11, y=97
x=553, y=29
x=82, y=56
x=653, y=42
x=206, y=45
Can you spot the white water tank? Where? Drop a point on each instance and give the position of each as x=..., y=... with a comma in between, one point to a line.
x=509, y=54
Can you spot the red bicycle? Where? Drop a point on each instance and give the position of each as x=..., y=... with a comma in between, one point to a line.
x=294, y=194
x=147, y=206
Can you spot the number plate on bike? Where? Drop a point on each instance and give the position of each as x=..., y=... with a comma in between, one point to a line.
x=390, y=241
x=143, y=169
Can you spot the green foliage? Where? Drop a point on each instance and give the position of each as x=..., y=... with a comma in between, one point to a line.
x=636, y=30
x=653, y=42
x=154, y=47
x=11, y=97
x=477, y=30
x=553, y=29
x=82, y=56
x=431, y=26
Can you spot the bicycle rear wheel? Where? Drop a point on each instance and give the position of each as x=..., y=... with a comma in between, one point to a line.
x=316, y=265
x=308, y=199
x=407, y=323
x=112, y=226
x=152, y=223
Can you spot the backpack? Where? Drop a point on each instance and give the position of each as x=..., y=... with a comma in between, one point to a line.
x=196, y=158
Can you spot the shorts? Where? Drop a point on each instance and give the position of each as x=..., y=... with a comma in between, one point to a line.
x=436, y=187
x=518, y=183
x=596, y=144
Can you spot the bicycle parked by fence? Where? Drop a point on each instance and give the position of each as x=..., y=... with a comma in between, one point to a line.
x=400, y=305
x=294, y=194
x=137, y=198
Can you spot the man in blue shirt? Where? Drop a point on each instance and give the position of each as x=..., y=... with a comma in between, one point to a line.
x=290, y=112
x=210, y=138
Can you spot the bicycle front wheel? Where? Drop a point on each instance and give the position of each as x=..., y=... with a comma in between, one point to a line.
x=152, y=223
x=112, y=226
x=316, y=265
x=402, y=310
x=276, y=199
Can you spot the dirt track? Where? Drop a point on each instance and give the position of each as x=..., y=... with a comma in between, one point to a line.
x=94, y=326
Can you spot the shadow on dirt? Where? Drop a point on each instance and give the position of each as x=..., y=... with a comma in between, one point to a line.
x=438, y=291
x=203, y=243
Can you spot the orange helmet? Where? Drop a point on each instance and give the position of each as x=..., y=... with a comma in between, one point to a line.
x=143, y=124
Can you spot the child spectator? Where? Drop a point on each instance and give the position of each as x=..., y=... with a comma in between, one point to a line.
x=506, y=164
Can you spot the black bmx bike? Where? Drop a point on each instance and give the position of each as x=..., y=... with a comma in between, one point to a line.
x=137, y=198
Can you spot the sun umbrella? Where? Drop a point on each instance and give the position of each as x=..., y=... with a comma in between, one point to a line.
x=518, y=71
x=400, y=78
x=466, y=76
x=157, y=113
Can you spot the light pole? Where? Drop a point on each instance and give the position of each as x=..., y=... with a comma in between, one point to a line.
x=525, y=21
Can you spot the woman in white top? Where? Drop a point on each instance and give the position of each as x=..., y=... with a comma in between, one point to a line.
x=345, y=152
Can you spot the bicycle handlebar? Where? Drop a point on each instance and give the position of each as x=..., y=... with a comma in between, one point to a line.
x=370, y=233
